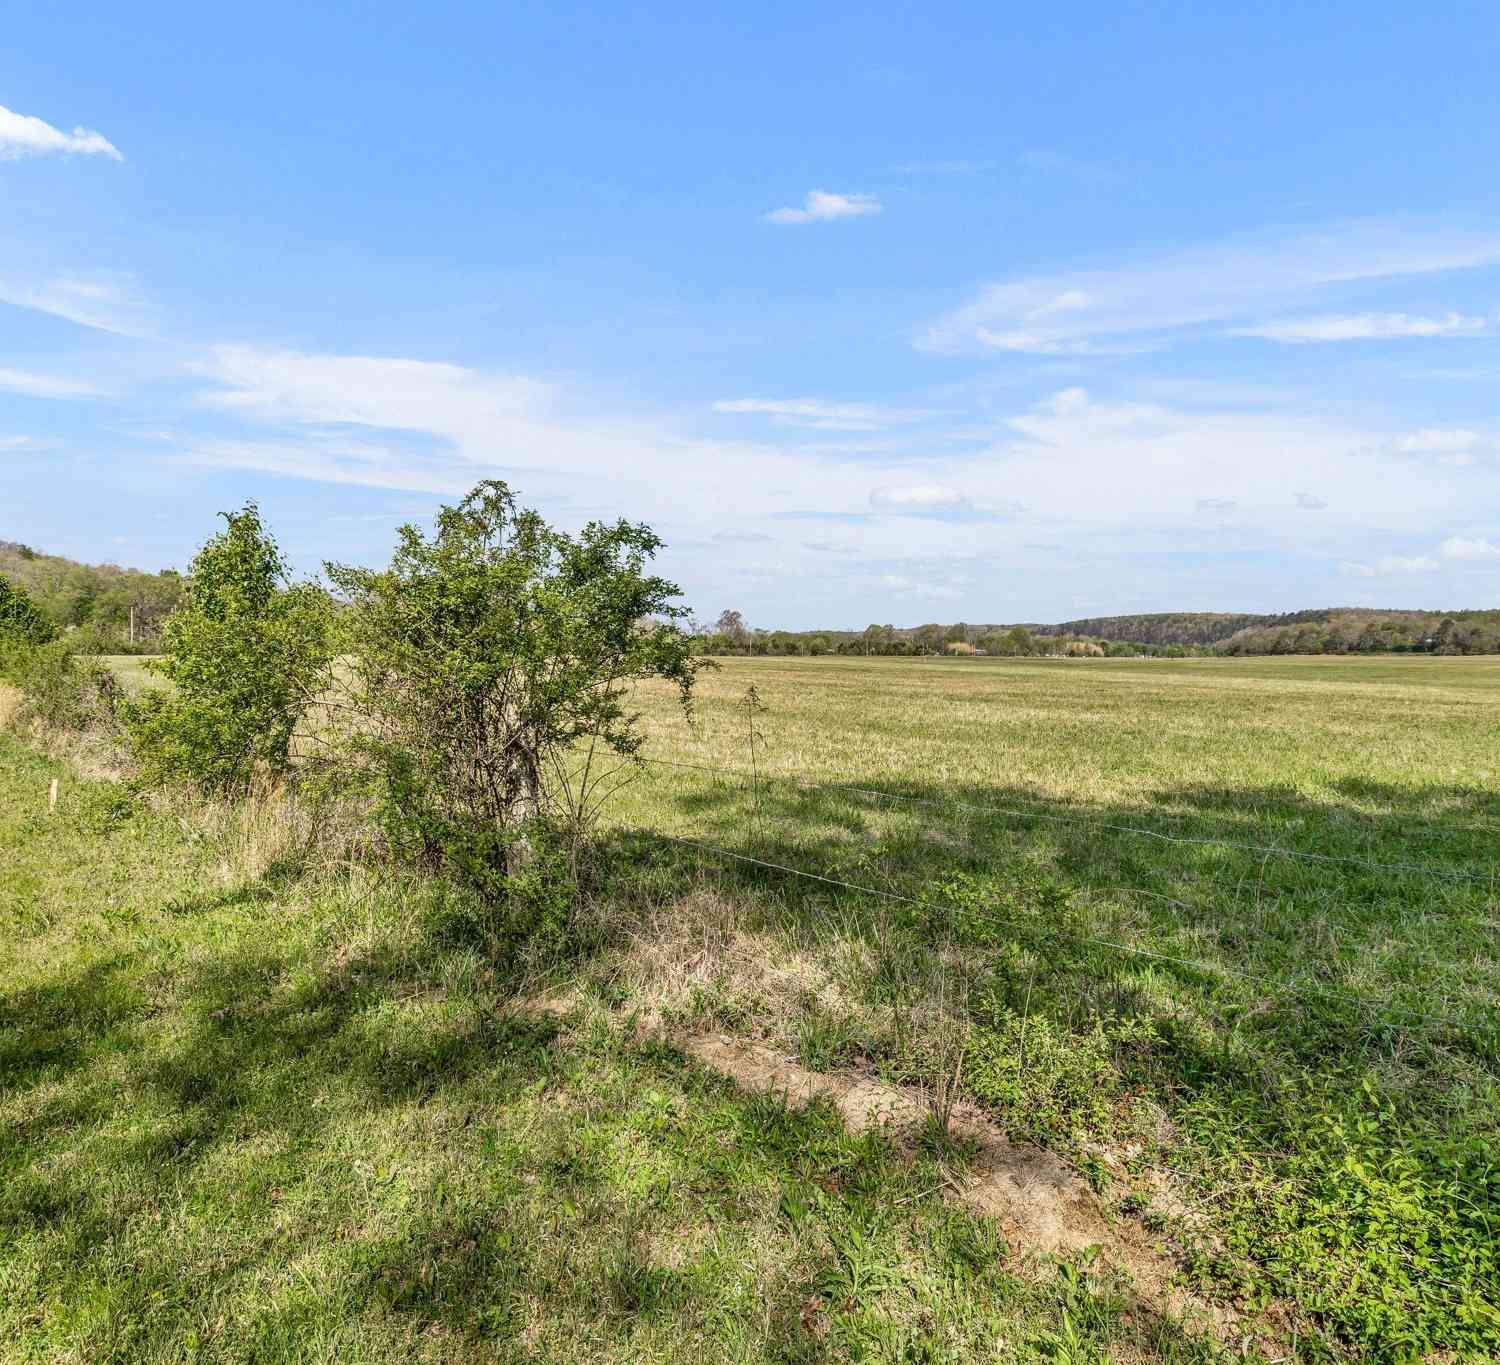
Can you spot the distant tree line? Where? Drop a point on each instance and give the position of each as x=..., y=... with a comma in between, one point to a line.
x=1173, y=635
x=1372, y=632
x=730, y=635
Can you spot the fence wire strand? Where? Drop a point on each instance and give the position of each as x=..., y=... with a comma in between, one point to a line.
x=1269, y=850
x=1209, y=969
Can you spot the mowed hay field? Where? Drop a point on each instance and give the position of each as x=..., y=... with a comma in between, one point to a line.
x=257, y=1105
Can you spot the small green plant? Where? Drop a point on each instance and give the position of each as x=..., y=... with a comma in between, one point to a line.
x=752, y=708
x=1046, y=1082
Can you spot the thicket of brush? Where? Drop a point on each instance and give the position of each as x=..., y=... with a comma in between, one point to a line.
x=460, y=701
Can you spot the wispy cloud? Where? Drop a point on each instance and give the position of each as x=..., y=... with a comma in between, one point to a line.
x=742, y=538
x=821, y=206
x=1054, y=162
x=820, y=414
x=1390, y=566
x=1309, y=502
x=918, y=498
x=1435, y=441
x=1364, y=327
x=1456, y=446
x=1465, y=547
x=23, y=135
x=104, y=302
x=1086, y=311
x=44, y=385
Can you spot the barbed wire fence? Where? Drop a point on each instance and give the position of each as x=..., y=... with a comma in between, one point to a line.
x=1471, y=1015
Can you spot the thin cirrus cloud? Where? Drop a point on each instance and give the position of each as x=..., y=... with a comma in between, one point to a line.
x=1221, y=285
x=822, y=206
x=1456, y=446
x=103, y=302
x=23, y=135
x=1364, y=327
x=1470, y=548
x=31, y=385
x=1391, y=566
x=819, y=414
x=918, y=499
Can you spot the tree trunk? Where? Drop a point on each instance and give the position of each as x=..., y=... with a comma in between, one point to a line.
x=524, y=807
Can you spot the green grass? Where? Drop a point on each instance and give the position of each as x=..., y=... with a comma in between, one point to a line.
x=293, y=1116
x=1302, y=1052
x=131, y=670
x=1310, y=1046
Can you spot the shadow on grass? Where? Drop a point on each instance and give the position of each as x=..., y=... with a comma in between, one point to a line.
x=1322, y=925
x=164, y=1096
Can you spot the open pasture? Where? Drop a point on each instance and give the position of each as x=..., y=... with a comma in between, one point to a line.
x=1219, y=933
x=1280, y=874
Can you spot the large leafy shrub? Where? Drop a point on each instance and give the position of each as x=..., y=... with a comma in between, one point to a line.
x=246, y=653
x=488, y=668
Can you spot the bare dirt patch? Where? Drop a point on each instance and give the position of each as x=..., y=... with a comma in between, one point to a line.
x=1042, y=1205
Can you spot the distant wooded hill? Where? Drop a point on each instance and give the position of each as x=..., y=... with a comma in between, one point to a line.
x=1323, y=630
x=1326, y=630
x=102, y=597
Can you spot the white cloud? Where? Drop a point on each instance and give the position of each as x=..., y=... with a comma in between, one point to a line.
x=1390, y=566
x=1436, y=441
x=742, y=538
x=1072, y=470
x=15, y=442
x=1037, y=343
x=820, y=415
x=1309, y=502
x=1364, y=327
x=105, y=302
x=1459, y=547
x=408, y=395
x=22, y=135
x=918, y=498
x=44, y=385
x=820, y=206
x=1209, y=285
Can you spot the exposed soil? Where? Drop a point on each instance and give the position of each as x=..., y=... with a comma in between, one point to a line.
x=1042, y=1205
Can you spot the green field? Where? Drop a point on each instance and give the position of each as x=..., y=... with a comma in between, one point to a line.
x=259, y=1106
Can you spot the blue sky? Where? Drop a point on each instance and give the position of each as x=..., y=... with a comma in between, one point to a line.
x=876, y=314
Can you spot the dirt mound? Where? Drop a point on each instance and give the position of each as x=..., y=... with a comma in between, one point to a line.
x=1043, y=1206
